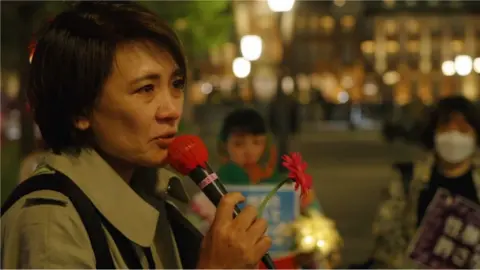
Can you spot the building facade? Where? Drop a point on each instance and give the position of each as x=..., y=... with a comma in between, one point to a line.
x=387, y=51
x=413, y=46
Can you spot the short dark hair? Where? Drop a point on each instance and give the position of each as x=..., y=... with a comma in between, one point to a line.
x=245, y=120
x=74, y=56
x=443, y=111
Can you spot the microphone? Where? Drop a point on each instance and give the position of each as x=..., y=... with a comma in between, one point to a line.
x=188, y=155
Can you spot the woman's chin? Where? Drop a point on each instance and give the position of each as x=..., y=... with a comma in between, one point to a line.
x=155, y=159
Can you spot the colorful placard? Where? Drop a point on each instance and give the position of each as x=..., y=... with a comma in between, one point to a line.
x=449, y=235
x=280, y=212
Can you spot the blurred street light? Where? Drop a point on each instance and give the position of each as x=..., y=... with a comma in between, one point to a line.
x=280, y=5
x=241, y=67
x=339, y=3
x=206, y=88
x=285, y=24
x=288, y=85
x=448, y=68
x=463, y=65
x=370, y=89
x=347, y=82
x=476, y=65
x=251, y=47
x=343, y=97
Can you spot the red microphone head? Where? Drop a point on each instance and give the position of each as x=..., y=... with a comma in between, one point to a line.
x=187, y=152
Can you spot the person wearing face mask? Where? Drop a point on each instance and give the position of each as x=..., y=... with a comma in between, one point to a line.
x=452, y=136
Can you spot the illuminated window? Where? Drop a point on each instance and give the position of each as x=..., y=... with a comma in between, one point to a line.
x=391, y=77
x=413, y=46
x=327, y=23
x=368, y=47
x=392, y=46
x=413, y=26
x=425, y=66
x=348, y=22
x=390, y=27
x=457, y=46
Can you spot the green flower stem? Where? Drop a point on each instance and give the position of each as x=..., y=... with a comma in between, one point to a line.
x=272, y=193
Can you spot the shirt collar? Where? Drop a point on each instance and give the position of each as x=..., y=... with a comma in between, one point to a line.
x=112, y=196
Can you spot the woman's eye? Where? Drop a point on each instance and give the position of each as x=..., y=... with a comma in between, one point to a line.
x=147, y=88
x=179, y=83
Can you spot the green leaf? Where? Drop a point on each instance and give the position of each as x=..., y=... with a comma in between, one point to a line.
x=208, y=24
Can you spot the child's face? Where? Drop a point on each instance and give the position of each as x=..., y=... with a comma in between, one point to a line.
x=245, y=149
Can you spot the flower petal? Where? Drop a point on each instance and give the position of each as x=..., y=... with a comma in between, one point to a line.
x=296, y=167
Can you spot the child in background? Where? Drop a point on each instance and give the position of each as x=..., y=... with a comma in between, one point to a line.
x=249, y=157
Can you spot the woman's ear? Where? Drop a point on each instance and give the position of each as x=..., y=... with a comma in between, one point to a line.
x=82, y=123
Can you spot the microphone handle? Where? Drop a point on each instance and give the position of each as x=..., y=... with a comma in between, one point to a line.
x=210, y=184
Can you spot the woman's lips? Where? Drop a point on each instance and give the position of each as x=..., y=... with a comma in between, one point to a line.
x=165, y=140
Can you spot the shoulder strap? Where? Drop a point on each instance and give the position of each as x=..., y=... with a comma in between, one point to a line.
x=126, y=248
x=88, y=213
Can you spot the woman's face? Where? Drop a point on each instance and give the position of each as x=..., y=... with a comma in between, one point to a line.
x=137, y=114
x=455, y=139
x=246, y=149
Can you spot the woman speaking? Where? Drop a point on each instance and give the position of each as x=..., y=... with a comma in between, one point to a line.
x=106, y=87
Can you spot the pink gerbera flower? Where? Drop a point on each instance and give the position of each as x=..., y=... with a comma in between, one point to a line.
x=297, y=167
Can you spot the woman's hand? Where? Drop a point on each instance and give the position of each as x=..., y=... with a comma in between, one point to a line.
x=234, y=243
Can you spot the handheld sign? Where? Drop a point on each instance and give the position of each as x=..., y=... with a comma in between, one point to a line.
x=449, y=236
x=280, y=212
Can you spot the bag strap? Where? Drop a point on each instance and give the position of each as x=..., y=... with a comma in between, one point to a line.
x=406, y=170
x=187, y=237
x=89, y=215
x=126, y=248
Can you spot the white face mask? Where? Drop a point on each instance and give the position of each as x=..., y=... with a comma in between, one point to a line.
x=454, y=146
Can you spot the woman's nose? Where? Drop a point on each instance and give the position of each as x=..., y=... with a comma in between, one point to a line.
x=168, y=109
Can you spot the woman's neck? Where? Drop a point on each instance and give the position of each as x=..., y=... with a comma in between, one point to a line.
x=122, y=168
x=454, y=170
